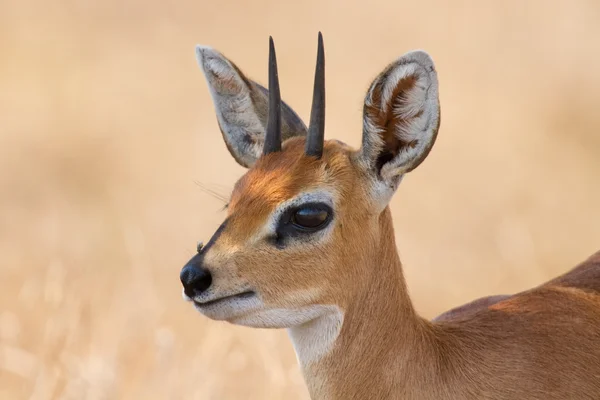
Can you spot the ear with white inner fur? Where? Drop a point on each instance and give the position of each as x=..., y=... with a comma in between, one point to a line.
x=401, y=118
x=242, y=107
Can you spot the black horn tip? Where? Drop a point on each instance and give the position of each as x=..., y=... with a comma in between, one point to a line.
x=273, y=131
x=316, y=130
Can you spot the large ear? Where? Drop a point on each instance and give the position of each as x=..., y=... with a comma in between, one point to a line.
x=242, y=107
x=401, y=117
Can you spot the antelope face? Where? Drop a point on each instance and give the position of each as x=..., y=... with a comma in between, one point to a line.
x=307, y=211
x=270, y=260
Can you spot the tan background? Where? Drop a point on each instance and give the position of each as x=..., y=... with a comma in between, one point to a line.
x=106, y=125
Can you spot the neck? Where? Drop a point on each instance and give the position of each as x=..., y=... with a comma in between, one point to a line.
x=369, y=348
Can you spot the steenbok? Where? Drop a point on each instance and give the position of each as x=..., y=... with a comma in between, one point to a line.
x=308, y=245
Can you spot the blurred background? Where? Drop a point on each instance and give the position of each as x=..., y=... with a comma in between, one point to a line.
x=108, y=137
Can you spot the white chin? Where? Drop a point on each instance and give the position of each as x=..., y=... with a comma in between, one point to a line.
x=279, y=317
x=230, y=309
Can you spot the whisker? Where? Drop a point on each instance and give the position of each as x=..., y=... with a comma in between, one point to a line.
x=223, y=198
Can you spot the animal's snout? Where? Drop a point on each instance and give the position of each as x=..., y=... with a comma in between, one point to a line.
x=196, y=279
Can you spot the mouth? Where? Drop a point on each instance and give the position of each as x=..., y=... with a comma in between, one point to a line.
x=243, y=295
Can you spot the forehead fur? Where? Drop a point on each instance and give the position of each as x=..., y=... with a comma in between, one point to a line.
x=280, y=176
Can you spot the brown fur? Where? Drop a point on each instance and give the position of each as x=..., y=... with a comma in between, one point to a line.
x=348, y=291
x=275, y=178
x=471, y=307
x=540, y=344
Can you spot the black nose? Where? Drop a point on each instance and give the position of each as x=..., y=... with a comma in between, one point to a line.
x=194, y=278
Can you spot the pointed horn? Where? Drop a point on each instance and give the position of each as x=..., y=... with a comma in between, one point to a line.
x=316, y=129
x=273, y=134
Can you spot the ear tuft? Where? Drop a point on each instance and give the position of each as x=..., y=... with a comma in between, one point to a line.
x=401, y=117
x=218, y=69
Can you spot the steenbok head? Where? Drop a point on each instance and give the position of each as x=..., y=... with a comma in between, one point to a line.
x=304, y=224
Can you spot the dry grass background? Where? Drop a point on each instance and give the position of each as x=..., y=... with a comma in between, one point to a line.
x=106, y=123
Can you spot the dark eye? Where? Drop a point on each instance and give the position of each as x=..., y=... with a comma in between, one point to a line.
x=300, y=221
x=310, y=217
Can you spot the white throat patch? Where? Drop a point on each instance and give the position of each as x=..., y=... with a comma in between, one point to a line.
x=315, y=338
